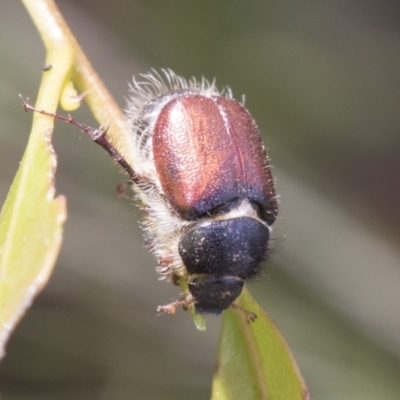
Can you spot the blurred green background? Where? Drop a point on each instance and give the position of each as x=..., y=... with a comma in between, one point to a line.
x=322, y=80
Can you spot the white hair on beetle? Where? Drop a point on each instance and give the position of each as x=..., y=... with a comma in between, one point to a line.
x=154, y=85
x=162, y=226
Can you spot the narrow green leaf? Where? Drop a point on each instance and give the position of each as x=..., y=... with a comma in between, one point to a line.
x=254, y=361
x=30, y=229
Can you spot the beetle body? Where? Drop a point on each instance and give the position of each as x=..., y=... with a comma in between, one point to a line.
x=205, y=185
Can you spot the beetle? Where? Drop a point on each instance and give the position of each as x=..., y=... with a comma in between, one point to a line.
x=203, y=179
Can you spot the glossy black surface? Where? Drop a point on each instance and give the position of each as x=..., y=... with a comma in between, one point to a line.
x=233, y=247
x=214, y=294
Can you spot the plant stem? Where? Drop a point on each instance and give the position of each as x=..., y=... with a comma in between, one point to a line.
x=70, y=63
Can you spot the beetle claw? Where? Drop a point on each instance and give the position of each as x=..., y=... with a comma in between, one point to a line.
x=170, y=309
x=250, y=316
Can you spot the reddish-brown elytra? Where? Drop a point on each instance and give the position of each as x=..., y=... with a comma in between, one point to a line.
x=202, y=177
x=208, y=151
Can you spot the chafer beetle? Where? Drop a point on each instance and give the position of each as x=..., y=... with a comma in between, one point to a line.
x=203, y=180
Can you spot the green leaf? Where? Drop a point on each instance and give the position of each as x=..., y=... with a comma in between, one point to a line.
x=254, y=361
x=30, y=229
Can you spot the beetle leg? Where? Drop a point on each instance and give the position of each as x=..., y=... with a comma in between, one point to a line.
x=250, y=316
x=171, y=308
x=97, y=135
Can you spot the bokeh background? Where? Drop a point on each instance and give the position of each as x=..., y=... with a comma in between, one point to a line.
x=322, y=80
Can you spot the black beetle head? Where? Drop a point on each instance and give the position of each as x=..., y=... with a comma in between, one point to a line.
x=219, y=256
x=214, y=294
